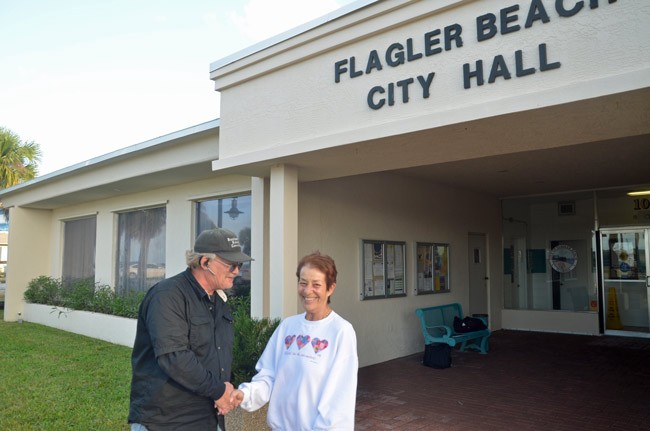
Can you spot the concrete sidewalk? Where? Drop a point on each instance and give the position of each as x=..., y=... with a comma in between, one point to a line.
x=528, y=381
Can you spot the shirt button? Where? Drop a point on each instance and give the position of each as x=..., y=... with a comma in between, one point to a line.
x=218, y=347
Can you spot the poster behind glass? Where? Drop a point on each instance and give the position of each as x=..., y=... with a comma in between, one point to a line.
x=624, y=256
x=383, y=269
x=432, y=268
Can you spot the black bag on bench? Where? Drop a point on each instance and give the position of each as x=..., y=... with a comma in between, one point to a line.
x=437, y=355
x=468, y=324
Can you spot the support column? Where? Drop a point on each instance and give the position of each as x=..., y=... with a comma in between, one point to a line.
x=258, y=230
x=283, y=241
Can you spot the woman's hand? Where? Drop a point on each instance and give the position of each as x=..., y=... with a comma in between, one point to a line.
x=236, y=398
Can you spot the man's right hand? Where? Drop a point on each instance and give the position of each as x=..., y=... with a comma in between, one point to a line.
x=223, y=404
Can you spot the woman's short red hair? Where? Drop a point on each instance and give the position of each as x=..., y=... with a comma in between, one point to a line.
x=321, y=262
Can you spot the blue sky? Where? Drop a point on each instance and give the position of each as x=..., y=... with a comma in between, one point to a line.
x=83, y=78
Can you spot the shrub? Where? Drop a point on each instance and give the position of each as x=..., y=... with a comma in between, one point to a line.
x=237, y=303
x=251, y=336
x=104, y=300
x=126, y=304
x=83, y=295
x=44, y=290
x=78, y=294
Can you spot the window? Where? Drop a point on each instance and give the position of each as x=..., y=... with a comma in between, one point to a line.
x=232, y=213
x=79, y=238
x=141, y=249
x=549, y=255
x=384, y=265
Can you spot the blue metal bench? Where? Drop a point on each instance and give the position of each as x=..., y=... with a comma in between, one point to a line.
x=438, y=327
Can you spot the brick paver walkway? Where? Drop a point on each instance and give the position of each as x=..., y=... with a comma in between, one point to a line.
x=528, y=381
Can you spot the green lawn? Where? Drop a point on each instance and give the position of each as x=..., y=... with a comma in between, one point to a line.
x=55, y=380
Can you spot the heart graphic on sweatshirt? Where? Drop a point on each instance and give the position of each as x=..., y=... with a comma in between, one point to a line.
x=288, y=341
x=302, y=340
x=319, y=345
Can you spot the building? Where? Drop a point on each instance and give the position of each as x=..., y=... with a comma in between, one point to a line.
x=478, y=152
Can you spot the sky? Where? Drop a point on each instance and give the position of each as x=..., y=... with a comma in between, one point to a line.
x=83, y=78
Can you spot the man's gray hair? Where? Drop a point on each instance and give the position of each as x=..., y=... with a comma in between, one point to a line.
x=193, y=259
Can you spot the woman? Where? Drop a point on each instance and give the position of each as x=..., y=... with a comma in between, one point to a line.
x=308, y=371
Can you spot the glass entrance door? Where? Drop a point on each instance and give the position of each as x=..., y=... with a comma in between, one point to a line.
x=626, y=282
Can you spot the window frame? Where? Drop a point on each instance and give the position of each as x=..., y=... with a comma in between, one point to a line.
x=124, y=280
x=67, y=223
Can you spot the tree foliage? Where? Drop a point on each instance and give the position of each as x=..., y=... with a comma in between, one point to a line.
x=18, y=159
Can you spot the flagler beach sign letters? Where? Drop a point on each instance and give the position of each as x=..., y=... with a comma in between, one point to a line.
x=508, y=20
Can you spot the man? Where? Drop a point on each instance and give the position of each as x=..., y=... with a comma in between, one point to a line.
x=183, y=346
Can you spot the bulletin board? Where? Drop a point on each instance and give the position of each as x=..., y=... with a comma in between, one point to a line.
x=432, y=268
x=384, y=269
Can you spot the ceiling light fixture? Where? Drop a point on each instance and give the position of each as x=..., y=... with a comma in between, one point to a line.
x=639, y=193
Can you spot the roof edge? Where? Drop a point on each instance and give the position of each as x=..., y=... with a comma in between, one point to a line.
x=192, y=130
x=284, y=36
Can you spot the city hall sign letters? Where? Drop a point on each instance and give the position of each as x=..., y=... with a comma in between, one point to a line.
x=508, y=20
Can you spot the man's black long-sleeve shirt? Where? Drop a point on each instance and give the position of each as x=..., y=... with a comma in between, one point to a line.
x=181, y=356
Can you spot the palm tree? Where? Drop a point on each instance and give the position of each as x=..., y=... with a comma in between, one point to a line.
x=18, y=159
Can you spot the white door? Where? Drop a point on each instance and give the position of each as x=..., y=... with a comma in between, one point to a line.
x=626, y=283
x=478, y=279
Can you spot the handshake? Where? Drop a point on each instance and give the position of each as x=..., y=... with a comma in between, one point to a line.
x=230, y=400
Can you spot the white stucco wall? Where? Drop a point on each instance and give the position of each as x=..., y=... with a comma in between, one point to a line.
x=289, y=98
x=29, y=255
x=114, y=329
x=336, y=215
